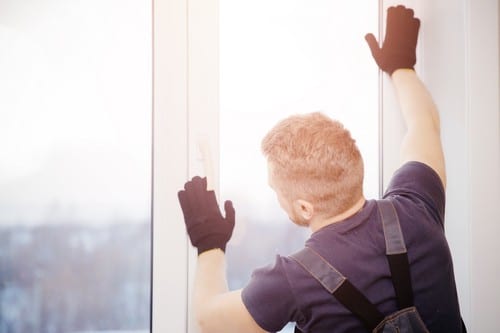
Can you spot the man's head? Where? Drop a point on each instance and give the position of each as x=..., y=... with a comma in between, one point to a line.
x=314, y=166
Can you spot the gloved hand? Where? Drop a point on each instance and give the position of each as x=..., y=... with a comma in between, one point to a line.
x=205, y=225
x=398, y=49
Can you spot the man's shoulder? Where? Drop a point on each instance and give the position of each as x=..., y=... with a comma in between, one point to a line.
x=420, y=184
x=274, y=274
x=413, y=173
x=269, y=297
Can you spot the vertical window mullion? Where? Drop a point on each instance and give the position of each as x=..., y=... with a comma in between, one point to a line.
x=169, y=311
x=203, y=105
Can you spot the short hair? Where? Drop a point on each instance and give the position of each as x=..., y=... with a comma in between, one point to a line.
x=314, y=158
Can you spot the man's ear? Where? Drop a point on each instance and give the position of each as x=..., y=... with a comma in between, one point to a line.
x=304, y=209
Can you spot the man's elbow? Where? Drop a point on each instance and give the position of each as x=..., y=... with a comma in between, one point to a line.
x=203, y=325
x=206, y=320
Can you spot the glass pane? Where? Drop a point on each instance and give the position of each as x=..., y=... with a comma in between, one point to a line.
x=75, y=166
x=278, y=58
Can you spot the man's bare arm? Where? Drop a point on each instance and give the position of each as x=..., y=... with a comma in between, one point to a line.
x=216, y=309
x=422, y=141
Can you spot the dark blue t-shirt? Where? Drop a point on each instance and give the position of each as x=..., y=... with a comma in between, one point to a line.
x=284, y=292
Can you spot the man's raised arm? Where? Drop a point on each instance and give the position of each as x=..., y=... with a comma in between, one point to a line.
x=397, y=57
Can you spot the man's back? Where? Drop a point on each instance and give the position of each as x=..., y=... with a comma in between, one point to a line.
x=356, y=247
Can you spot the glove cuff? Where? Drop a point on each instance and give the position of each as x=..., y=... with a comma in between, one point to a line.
x=212, y=242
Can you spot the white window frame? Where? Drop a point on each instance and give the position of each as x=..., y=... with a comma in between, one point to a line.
x=186, y=109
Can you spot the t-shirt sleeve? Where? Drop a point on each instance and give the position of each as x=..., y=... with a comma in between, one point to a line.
x=269, y=298
x=419, y=182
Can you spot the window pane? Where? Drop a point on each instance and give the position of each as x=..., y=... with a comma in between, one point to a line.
x=75, y=166
x=280, y=58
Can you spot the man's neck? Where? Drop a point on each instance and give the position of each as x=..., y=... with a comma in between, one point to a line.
x=319, y=223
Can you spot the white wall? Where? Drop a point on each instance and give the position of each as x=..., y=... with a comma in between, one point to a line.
x=484, y=166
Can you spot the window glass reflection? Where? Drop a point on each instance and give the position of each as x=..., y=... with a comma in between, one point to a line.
x=276, y=59
x=75, y=170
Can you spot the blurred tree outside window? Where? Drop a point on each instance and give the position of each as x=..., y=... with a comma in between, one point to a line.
x=75, y=166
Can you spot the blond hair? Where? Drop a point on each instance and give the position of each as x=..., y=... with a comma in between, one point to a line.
x=315, y=158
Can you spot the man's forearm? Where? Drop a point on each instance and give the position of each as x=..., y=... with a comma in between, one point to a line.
x=417, y=105
x=210, y=281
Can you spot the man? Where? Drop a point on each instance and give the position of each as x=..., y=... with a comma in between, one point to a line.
x=317, y=173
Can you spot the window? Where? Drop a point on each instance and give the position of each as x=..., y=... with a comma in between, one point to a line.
x=210, y=57
x=75, y=166
x=277, y=59
x=187, y=56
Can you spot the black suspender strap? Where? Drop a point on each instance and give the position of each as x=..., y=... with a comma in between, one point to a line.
x=396, y=253
x=346, y=293
x=333, y=281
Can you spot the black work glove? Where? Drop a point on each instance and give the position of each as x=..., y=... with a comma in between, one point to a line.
x=400, y=42
x=205, y=225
